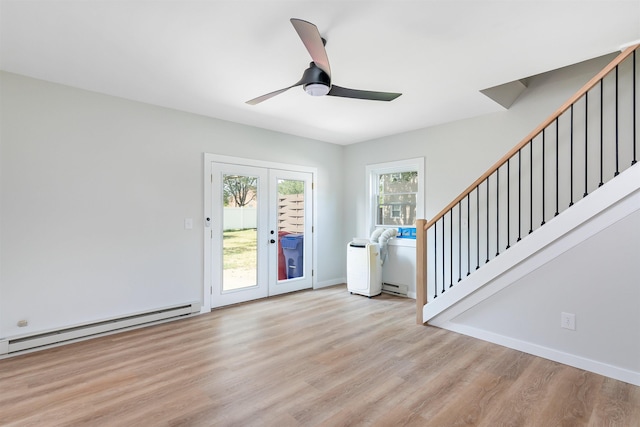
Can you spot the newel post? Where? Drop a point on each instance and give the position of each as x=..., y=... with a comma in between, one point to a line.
x=421, y=268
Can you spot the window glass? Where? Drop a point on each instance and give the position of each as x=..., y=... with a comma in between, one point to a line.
x=396, y=198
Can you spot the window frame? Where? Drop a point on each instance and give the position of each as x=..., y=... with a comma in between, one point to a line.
x=373, y=171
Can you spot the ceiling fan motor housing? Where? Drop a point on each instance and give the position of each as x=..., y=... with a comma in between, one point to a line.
x=315, y=76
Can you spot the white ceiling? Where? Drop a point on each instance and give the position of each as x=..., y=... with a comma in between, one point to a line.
x=209, y=57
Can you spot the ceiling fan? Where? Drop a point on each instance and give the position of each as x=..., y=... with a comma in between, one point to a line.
x=316, y=80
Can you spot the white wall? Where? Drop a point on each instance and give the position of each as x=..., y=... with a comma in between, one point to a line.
x=399, y=267
x=95, y=190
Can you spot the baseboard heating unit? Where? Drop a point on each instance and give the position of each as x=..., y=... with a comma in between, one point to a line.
x=25, y=343
x=400, y=290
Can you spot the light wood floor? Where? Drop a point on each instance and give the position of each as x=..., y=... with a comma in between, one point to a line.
x=314, y=358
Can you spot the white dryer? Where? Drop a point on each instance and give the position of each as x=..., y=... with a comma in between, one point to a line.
x=364, y=272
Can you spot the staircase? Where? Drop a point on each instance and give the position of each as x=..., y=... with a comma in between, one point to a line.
x=486, y=262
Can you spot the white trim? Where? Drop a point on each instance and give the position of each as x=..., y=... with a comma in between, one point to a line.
x=410, y=243
x=207, y=236
x=333, y=282
x=626, y=45
x=590, y=365
x=208, y=159
x=217, y=158
x=417, y=163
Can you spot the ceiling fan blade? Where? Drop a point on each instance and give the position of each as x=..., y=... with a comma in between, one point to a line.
x=312, y=40
x=362, y=94
x=259, y=99
x=310, y=75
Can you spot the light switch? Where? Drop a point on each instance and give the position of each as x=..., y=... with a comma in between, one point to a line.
x=188, y=223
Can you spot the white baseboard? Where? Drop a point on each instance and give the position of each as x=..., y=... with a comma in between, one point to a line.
x=579, y=362
x=327, y=283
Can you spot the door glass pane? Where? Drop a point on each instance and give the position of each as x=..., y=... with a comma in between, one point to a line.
x=239, y=243
x=290, y=214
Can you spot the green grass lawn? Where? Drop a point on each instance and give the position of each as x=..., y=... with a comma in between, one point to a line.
x=239, y=249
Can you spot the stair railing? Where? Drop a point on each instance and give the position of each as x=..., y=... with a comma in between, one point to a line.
x=586, y=142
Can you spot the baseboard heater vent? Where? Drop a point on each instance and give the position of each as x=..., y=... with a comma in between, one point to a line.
x=390, y=288
x=84, y=331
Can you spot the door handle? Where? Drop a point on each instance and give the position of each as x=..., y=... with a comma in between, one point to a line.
x=272, y=241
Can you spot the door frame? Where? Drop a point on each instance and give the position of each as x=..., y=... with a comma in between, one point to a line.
x=210, y=158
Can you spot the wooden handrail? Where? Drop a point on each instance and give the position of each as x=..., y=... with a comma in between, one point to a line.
x=588, y=86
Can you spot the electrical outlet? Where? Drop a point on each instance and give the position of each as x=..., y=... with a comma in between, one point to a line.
x=188, y=223
x=568, y=321
x=22, y=323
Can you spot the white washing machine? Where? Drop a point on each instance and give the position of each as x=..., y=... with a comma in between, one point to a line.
x=364, y=269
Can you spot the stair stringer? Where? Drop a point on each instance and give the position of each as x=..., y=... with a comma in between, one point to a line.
x=615, y=200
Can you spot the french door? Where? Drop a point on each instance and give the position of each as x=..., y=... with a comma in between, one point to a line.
x=261, y=232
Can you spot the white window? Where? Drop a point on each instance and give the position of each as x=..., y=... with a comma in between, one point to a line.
x=396, y=193
x=396, y=210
